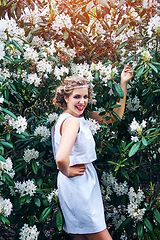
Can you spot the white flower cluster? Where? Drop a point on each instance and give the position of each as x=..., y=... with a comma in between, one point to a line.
x=4, y=73
x=133, y=104
x=12, y=28
x=133, y=207
x=118, y=219
x=107, y=73
x=52, y=117
x=2, y=52
x=82, y=70
x=43, y=132
x=111, y=186
x=60, y=72
x=33, y=79
x=93, y=125
x=31, y=55
x=61, y=21
x=137, y=129
x=153, y=25
x=25, y=188
x=28, y=233
x=1, y=99
x=38, y=42
x=20, y=125
x=146, y=55
x=5, y=207
x=53, y=194
x=30, y=154
x=43, y=66
x=7, y=167
x=149, y=3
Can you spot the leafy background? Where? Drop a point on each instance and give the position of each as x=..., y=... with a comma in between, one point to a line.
x=93, y=36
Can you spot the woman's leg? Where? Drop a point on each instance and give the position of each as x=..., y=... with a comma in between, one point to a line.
x=79, y=237
x=104, y=235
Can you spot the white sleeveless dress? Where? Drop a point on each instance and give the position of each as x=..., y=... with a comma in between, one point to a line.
x=80, y=197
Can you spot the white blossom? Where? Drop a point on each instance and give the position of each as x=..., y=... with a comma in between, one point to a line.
x=136, y=127
x=1, y=99
x=28, y=233
x=133, y=104
x=60, y=72
x=20, y=125
x=52, y=195
x=61, y=21
x=134, y=138
x=5, y=207
x=43, y=132
x=30, y=154
x=7, y=167
x=52, y=117
x=25, y=188
x=93, y=125
x=33, y=79
x=2, y=52
x=43, y=66
x=31, y=55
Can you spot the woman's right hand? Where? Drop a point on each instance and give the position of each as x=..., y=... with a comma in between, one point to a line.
x=76, y=170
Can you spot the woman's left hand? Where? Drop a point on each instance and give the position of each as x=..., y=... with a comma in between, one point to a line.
x=126, y=74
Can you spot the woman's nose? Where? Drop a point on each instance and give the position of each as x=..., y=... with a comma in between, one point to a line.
x=82, y=100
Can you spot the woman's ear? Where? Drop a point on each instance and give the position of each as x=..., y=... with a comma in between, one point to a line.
x=66, y=99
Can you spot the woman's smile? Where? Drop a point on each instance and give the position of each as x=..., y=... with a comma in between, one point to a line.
x=77, y=101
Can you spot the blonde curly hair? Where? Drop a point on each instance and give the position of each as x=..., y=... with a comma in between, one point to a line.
x=67, y=87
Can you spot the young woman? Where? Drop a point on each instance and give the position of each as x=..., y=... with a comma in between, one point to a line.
x=74, y=151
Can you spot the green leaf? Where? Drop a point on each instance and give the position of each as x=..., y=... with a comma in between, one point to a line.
x=153, y=67
x=8, y=136
x=37, y=202
x=148, y=224
x=8, y=179
x=7, y=145
x=146, y=91
x=125, y=223
x=136, y=181
x=8, y=58
x=143, y=175
x=59, y=220
x=116, y=116
x=144, y=141
x=124, y=173
x=34, y=167
x=8, y=112
x=5, y=220
x=140, y=71
x=140, y=230
x=45, y=214
x=157, y=215
x=134, y=149
x=121, y=29
x=18, y=46
x=119, y=90
x=115, y=106
x=65, y=35
x=2, y=159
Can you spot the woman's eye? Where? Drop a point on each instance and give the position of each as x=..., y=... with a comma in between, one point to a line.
x=86, y=96
x=76, y=96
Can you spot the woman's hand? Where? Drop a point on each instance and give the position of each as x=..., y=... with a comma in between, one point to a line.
x=76, y=170
x=126, y=74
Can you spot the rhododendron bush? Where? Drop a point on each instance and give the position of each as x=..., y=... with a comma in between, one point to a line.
x=41, y=43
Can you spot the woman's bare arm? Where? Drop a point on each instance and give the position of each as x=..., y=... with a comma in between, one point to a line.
x=126, y=75
x=69, y=133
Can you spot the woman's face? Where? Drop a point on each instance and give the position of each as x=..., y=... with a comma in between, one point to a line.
x=77, y=101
